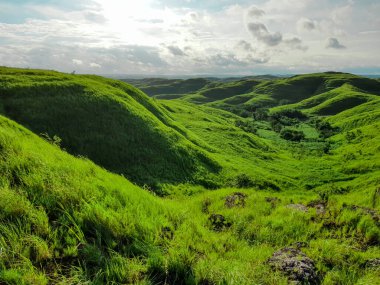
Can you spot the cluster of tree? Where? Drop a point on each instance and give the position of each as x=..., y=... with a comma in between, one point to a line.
x=292, y=135
x=286, y=117
x=281, y=121
x=325, y=129
x=248, y=126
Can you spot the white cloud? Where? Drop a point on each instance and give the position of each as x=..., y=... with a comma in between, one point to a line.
x=115, y=36
x=77, y=61
x=342, y=15
x=95, y=65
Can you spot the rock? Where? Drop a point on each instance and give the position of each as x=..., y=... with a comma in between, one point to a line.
x=218, y=222
x=321, y=210
x=320, y=206
x=272, y=199
x=296, y=265
x=298, y=207
x=235, y=200
x=373, y=263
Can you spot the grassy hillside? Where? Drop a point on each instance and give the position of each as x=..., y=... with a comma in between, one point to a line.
x=65, y=220
x=277, y=185
x=112, y=123
x=161, y=87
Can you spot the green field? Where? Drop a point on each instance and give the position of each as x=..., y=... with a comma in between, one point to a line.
x=206, y=181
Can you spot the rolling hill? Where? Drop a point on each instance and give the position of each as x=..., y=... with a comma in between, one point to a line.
x=264, y=180
x=112, y=123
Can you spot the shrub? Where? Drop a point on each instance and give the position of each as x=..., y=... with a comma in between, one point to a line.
x=290, y=113
x=325, y=129
x=292, y=135
x=243, y=181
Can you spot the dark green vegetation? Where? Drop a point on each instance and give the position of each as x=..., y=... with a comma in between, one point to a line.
x=110, y=122
x=255, y=166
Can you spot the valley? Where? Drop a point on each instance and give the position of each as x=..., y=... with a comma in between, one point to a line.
x=252, y=180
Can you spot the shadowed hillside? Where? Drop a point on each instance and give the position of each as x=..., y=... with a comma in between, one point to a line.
x=112, y=123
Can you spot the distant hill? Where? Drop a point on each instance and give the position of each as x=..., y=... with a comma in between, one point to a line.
x=173, y=88
x=303, y=90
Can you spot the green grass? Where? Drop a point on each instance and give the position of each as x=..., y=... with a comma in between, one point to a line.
x=68, y=217
x=112, y=123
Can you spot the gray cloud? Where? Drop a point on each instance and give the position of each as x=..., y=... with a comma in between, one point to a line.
x=244, y=45
x=306, y=24
x=250, y=54
x=295, y=43
x=174, y=50
x=261, y=33
x=334, y=44
x=255, y=12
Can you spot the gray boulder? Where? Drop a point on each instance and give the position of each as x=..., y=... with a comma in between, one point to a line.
x=299, y=268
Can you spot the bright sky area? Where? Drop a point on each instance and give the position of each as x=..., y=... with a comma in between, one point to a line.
x=191, y=37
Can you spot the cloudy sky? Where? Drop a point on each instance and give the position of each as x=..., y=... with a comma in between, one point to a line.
x=191, y=37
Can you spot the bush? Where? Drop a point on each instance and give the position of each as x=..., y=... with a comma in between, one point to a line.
x=325, y=129
x=290, y=113
x=247, y=126
x=292, y=135
x=243, y=181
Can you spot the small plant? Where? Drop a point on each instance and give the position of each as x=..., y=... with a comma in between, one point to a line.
x=243, y=181
x=375, y=197
x=206, y=203
x=55, y=140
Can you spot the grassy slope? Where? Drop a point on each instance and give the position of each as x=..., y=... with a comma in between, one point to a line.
x=64, y=215
x=239, y=152
x=112, y=123
x=65, y=220
x=74, y=222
